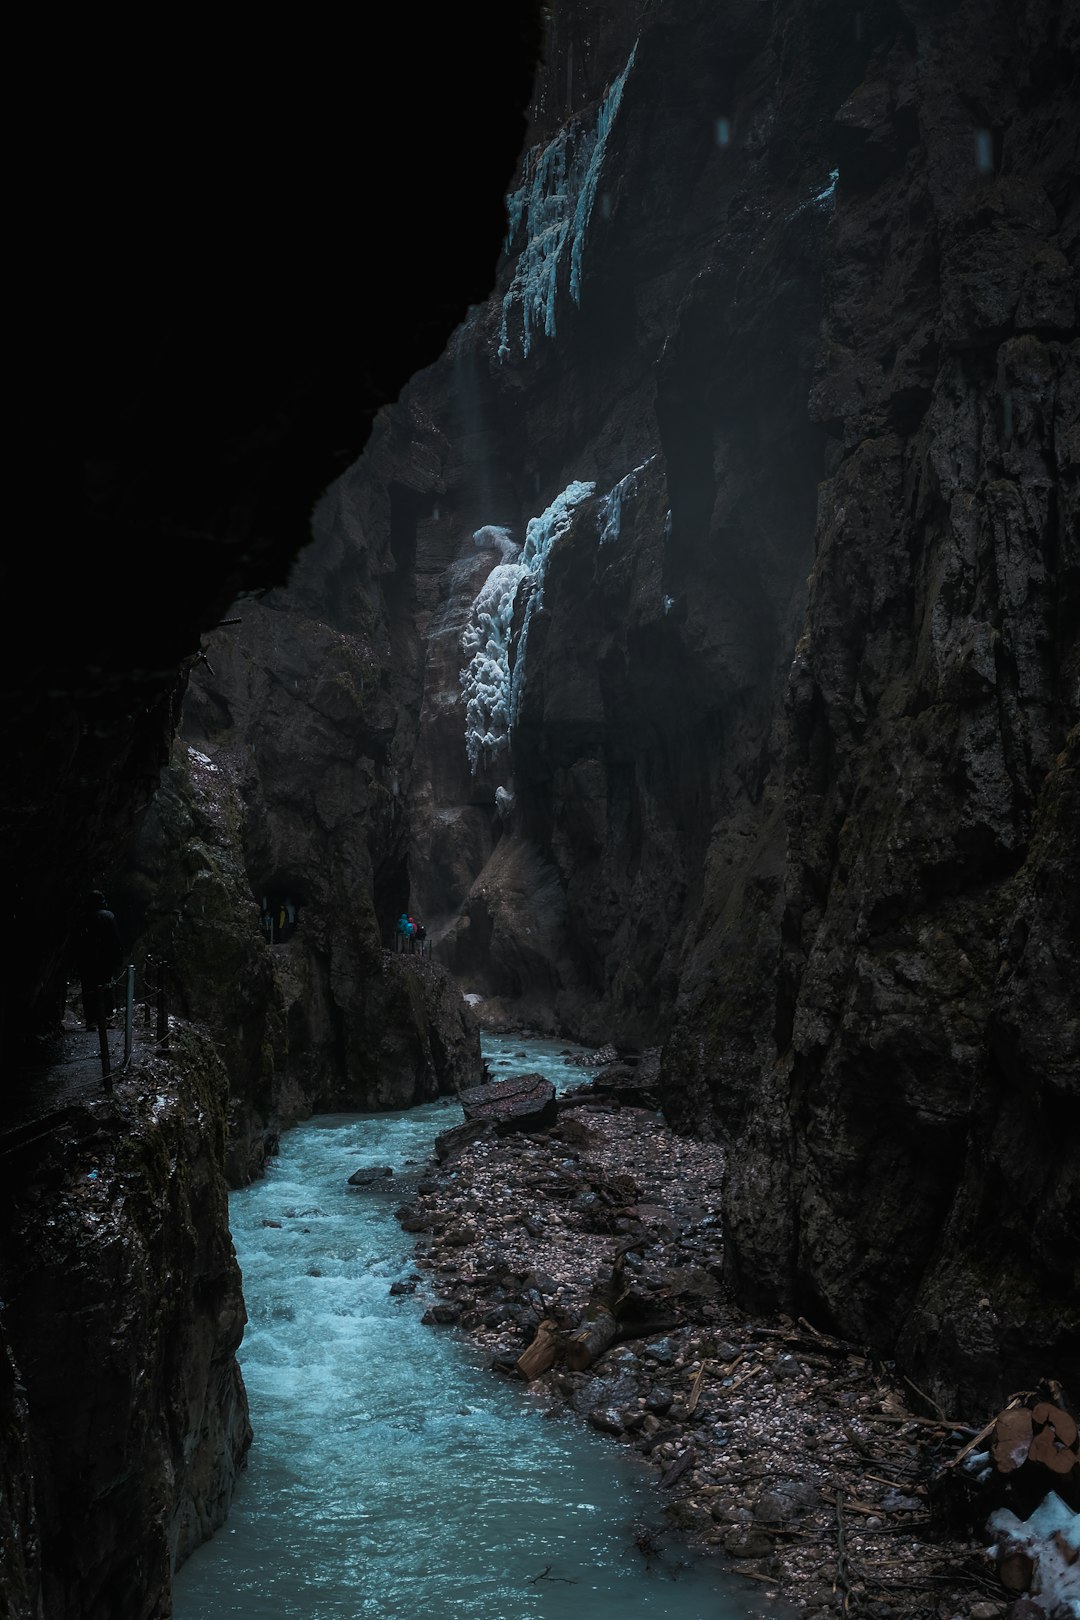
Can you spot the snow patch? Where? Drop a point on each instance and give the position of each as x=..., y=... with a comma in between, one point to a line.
x=1050, y=1539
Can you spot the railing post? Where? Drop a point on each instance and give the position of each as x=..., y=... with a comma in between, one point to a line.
x=162, y=1011
x=103, y=1037
x=129, y=1011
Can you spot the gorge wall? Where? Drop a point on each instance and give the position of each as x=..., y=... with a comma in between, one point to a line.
x=771, y=423
x=125, y=1413
x=219, y=289
x=741, y=535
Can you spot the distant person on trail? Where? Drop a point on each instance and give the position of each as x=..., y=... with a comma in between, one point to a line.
x=401, y=929
x=412, y=936
x=100, y=957
x=420, y=936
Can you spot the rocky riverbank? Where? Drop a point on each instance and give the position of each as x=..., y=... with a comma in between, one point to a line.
x=819, y=1471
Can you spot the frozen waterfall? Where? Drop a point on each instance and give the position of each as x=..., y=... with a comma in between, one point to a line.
x=609, y=509
x=490, y=688
x=554, y=205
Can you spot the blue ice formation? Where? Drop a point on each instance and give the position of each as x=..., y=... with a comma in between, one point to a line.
x=1049, y=1541
x=489, y=688
x=485, y=680
x=828, y=192
x=554, y=204
x=824, y=198
x=609, y=508
x=587, y=193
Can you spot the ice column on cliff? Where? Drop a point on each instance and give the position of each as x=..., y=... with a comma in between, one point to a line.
x=554, y=205
x=609, y=508
x=489, y=690
x=485, y=680
x=541, y=534
x=822, y=199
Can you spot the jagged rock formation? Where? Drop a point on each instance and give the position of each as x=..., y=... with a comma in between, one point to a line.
x=185, y=897
x=907, y=1052
x=219, y=304
x=773, y=752
x=118, y=1207
x=298, y=705
x=211, y=368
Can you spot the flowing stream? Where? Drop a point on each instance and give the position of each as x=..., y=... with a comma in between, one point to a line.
x=392, y=1476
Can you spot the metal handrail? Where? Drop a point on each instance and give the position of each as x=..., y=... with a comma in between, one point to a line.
x=158, y=991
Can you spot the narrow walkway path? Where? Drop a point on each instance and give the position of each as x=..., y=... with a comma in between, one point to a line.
x=45, y=1094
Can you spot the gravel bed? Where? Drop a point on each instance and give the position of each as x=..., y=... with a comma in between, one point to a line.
x=795, y=1456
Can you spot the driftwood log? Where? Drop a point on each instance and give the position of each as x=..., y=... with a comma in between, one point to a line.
x=614, y=1311
x=600, y=1325
x=541, y=1353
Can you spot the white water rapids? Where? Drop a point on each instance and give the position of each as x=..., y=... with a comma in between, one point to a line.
x=392, y=1476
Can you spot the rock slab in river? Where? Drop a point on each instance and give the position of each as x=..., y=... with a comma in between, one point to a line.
x=368, y=1174
x=524, y=1103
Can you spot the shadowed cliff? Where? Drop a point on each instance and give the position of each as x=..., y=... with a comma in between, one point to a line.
x=219, y=286
x=772, y=753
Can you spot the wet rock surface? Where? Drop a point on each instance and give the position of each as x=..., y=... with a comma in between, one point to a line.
x=527, y=1102
x=792, y=777
x=299, y=706
x=184, y=897
x=299, y=1024
x=116, y=1206
x=805, y=1460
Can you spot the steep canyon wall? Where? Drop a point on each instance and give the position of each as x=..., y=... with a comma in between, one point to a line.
x=747, y=721
x=219, y=290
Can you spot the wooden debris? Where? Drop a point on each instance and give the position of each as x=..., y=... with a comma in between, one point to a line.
x=1012, y=1439
x=843, y=1571
x=678, y=1467
x=1062, y=1423
x=546, y=1575
x=1047, y=1449
x=541, y=1353
x=851, y=1505
x=745, y=1377
x=923, y=1396
x=818, y=1341
x=601, y=1323
x=695, y=1391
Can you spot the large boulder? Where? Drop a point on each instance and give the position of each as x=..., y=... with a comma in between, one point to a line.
x=526, y=1102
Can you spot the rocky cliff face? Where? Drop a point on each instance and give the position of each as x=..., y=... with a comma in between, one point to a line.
x=892, y=1178
x=747, y=715
x=297, y=713
x=118, y=1206
x=206, y=355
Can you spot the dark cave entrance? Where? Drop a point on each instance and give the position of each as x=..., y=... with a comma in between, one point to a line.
x=281, y=904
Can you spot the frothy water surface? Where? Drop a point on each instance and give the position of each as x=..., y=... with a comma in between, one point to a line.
x=392, y=1475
